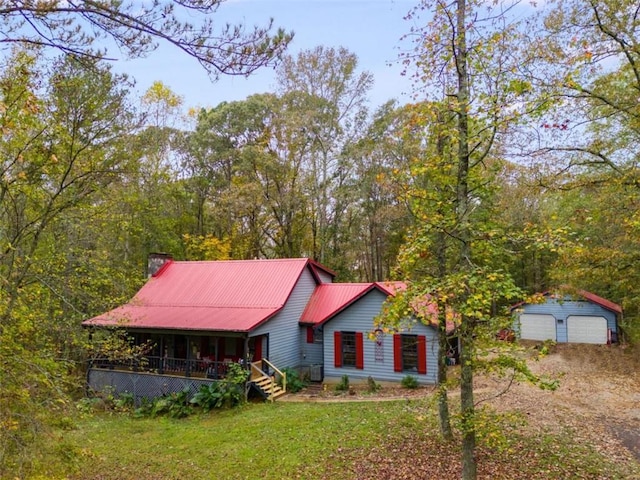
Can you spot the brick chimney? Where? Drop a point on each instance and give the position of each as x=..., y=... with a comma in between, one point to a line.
x=155, y=261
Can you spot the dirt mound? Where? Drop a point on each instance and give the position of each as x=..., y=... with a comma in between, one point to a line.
x=598, y=395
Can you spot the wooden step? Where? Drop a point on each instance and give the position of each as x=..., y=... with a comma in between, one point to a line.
x=277, y=394
x=270, y=391
x=262, y=381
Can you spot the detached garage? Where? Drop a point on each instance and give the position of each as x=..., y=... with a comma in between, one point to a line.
x=582, y=318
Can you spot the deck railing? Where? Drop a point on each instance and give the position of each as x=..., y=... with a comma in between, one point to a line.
x=186, y=367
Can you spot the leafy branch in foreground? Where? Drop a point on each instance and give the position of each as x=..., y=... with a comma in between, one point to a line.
x=75, y=28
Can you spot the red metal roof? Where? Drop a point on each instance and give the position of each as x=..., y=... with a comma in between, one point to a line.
x=603, y=302
x=330, y=298
x=183, y=318
x=392, y=287
x=234, y=295
x=428, y=310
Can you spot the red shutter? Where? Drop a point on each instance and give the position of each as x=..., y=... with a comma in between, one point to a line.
x=397, y=353
x=309, y=334
x=337, y=349
x=359, y=351
x=422, y=354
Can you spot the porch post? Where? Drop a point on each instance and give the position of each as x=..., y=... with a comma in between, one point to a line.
x=187, y=370
x=247, y=365
x=162, y=356
x=215, y=355
x=246, y=362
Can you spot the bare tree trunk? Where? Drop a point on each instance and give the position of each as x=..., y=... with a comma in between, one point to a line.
x=469, y=467
x=443, y=341
x=443, y=399
x=467, y=407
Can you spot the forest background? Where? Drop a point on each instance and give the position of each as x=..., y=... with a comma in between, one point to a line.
x=94, y=179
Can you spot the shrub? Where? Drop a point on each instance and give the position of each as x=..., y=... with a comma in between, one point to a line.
x=233, y=388
x=372, y=385
x=175, y=405
x=343, y=386
x=146, y=408
x=294, y=382
x=209, y=397
x=225, y=393
x=237, y=374
x=124, y=402
x=409, y=381
x=90, y=404
x=178, y=405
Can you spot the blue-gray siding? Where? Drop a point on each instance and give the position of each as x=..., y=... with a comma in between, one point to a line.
x=359, y=317
x=283, y=329
x=566, y=308
x=311, y=352
x=324, y=276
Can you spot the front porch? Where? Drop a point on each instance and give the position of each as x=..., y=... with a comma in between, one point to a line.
x=174, y=361
x=153, y=377
x=203, y=354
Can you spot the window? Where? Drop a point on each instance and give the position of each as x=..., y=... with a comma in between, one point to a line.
x=410, y=353
x=348, y=349
x=314, y=334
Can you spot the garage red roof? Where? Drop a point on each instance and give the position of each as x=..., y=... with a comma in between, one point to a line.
x=603, y=302
x=220, y=296
x=592, y=297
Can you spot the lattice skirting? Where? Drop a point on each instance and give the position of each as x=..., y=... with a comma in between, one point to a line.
x=141, y=385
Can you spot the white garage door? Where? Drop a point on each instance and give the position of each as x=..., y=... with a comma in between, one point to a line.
x=586, y=329
x=535, y=326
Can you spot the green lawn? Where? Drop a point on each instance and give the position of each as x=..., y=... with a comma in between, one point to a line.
x=303, y=440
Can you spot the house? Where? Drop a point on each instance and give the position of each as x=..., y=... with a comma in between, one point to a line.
x=581, y=318
x=200, y=316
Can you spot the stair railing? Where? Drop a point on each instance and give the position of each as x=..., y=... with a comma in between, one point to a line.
x=257, y=372
x=282, y=375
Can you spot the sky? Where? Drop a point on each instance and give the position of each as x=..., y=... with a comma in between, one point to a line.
x=372, y=29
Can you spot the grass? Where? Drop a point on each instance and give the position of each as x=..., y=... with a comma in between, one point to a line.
x=277, y=440
x=307, y=441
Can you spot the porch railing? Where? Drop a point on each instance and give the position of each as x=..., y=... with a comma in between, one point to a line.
x=186, y=367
